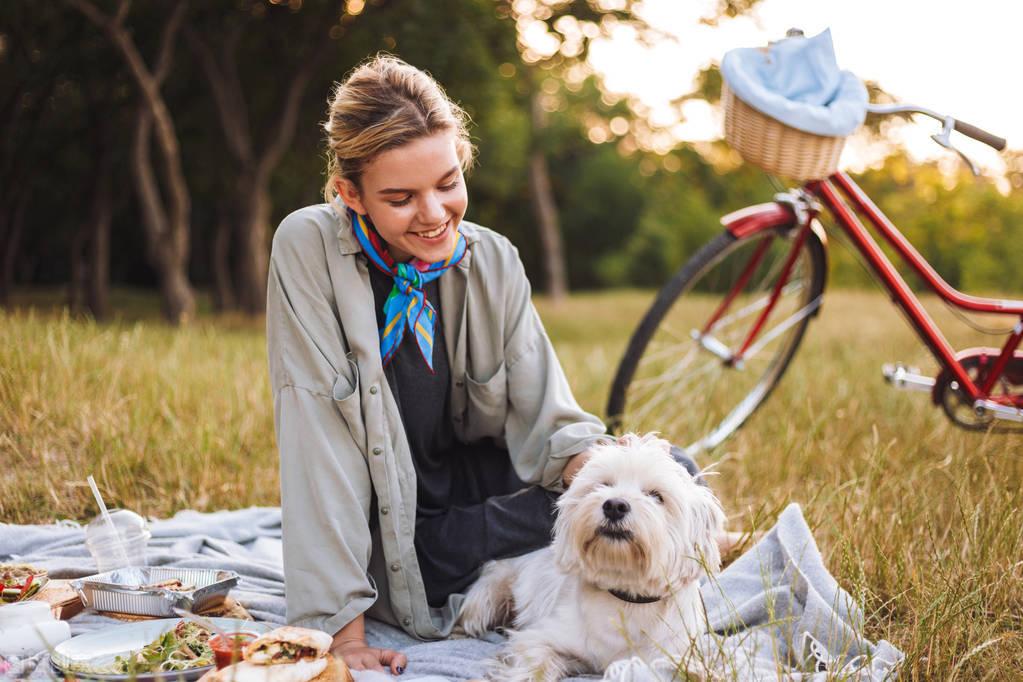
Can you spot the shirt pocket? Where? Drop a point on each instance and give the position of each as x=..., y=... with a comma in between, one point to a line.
x=488, y=405
x=349, y=402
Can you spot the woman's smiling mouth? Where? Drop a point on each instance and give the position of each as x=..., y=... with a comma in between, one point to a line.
x=434, y=234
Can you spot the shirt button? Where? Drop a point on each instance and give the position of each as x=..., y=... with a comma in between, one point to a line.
x=406, y=621
x=395, y=567
x=377, y=451
x=385, y=510
x=373, y=390
x=459, y=383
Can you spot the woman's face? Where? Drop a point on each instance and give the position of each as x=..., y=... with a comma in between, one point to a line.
x=415, y=195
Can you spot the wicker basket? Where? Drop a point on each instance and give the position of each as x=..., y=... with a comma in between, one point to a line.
x=776, y=147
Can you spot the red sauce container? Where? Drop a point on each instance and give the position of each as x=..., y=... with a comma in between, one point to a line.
x=229, y=651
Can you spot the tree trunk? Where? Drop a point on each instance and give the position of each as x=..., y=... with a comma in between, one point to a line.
x=165, y=221
x=251, y=193
x=251, y=237
x=12, y=245
x=176, y=292
x=76, y=283
x=545, y=208
x=90, y=247
x=167, y=236
x=98, y=278
x=220, y=261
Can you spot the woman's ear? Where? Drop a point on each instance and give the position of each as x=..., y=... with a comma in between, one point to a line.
x=349, y=194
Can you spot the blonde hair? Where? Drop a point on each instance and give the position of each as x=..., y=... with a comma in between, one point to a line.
x=385, y=103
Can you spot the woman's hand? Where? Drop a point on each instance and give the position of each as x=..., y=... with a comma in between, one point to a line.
x=360, y=656
x=350, y=644
x=575, y=463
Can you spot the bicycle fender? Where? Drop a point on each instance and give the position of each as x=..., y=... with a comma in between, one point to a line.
x=753, y=219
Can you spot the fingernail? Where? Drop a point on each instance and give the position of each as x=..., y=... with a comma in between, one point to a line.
x=401, y=670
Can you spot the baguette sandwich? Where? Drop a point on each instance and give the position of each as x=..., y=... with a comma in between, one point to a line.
x=287, y=654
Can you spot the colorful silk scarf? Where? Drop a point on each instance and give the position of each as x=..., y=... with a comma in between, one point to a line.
x=406, y=305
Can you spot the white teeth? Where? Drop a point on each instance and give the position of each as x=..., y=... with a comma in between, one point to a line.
x=432, y=233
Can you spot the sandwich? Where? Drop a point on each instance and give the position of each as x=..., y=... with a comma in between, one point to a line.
x=287, y=654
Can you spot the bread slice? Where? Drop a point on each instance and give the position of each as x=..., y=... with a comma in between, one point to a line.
x=324, y=669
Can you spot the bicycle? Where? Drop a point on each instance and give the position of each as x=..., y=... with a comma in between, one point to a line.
x=731, y=319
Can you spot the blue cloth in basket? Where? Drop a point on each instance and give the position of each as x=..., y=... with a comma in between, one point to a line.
x=797, y=81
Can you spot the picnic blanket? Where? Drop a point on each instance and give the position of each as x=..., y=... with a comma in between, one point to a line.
x=776, y=612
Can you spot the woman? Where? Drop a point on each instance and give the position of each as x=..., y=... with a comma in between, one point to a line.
x=423, y=421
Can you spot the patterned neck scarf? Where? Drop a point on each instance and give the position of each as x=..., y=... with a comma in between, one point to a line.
x=406, y=305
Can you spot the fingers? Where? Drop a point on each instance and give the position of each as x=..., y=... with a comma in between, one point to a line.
x=366, y=659
x=394, y=660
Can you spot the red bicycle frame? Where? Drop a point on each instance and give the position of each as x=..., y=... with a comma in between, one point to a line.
x=778, y=215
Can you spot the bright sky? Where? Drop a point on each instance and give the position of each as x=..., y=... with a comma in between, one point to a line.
x=957, y=58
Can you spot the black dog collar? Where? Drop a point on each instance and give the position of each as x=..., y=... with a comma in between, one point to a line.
x=634, y=598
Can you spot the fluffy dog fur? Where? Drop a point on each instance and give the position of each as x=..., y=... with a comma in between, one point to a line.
x=633, y=521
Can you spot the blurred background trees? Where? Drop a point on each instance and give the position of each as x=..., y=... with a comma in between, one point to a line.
x=157, y=144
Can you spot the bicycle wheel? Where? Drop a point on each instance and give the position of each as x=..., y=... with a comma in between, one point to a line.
x=682, y=374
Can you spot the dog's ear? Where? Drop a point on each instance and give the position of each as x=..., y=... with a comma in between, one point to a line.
x=709, y=524
x=696, y=536
x=565, y=554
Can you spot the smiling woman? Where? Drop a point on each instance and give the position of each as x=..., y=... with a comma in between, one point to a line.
x=424, y=424
x=419, y=216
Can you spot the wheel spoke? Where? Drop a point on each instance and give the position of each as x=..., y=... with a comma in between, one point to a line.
x=661, y=396
x=674, y=363
x=782, y=327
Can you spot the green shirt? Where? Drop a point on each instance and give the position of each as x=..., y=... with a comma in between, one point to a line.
x=344, y=455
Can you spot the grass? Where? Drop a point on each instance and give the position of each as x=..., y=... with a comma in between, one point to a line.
x=919, y=520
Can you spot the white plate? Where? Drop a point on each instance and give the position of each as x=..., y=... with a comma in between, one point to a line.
x=99, y=647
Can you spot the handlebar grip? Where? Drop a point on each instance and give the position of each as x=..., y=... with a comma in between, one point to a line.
x=980, y=135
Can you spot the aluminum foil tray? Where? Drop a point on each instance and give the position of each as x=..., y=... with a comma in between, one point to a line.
x=126, y=590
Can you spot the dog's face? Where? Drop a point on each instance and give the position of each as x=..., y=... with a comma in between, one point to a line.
x=635, y=520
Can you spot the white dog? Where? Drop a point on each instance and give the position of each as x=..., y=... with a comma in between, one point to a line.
x=634, y=533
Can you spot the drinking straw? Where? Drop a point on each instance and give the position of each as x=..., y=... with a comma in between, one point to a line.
x=122, y=555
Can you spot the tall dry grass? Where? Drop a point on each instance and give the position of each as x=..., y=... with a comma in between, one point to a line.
x=917, y=519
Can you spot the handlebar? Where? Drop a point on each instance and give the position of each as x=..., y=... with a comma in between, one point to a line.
x=980, y=135
x=998, y=143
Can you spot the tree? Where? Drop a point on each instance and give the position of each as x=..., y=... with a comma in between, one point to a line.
x=165, y=219
x=30, y=75
x=554, y=36
x=249, y=207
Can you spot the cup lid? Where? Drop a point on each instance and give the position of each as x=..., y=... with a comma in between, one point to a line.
x=126, y=521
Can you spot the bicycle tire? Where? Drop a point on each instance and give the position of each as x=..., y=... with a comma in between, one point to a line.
x=711, y=254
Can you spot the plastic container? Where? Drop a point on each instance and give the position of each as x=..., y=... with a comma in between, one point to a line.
x=111, y=552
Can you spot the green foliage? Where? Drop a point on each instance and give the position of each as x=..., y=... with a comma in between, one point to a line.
x=628, y=216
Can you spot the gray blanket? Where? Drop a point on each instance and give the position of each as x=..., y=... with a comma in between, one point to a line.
x=774, y=613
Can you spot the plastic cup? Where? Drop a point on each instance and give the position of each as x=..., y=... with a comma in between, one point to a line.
x=125, y=547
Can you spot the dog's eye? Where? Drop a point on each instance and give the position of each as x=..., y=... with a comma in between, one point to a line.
x=656, y=495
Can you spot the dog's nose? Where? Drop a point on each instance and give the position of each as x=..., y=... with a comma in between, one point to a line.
x=615, y=509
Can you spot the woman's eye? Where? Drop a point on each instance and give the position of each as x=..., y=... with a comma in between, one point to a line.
x=656, y=495
x=401, y=202
x=448, y=188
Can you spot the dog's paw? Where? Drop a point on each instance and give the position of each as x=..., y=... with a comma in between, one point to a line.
x=489, y=601
x=528, y=659
x=475, y=618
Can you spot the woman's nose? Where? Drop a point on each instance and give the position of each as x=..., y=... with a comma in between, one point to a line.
x=431, y=210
